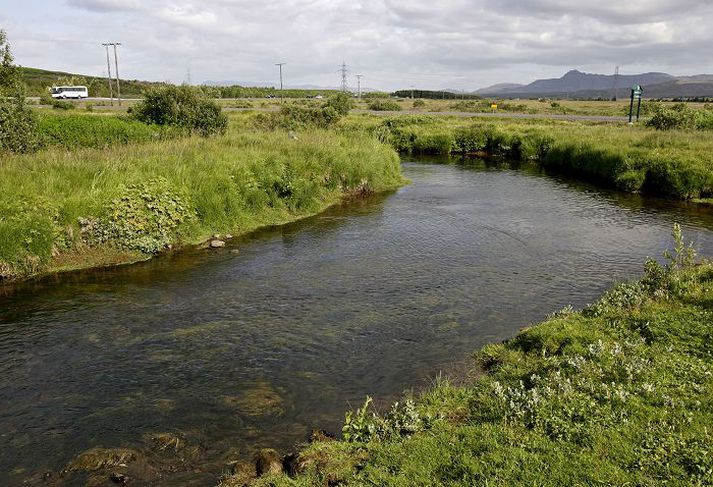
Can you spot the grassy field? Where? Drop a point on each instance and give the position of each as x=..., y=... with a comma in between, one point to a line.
x=674, y=163
x=618, y=394
x=63, y=209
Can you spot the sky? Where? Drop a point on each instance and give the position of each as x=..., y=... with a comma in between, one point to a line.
x=429, y=44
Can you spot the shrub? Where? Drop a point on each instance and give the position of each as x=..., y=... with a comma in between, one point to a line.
x=181, y=106
x=678, y=116
x=340, y=102
x=419, y=103
x=291, y=117
x=18, y=125
x=62, y=105
x=384, y=106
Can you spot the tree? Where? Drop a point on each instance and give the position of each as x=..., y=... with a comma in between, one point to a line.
x=9, y=74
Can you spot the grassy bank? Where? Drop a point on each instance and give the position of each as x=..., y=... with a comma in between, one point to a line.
x=64, y=209
x=618, y=394
x=675, y=163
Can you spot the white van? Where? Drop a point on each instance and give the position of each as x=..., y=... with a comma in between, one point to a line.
x=63, y=92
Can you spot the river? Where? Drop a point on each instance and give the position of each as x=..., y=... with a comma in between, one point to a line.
x=280, y=332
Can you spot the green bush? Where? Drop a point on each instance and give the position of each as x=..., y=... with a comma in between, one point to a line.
x=419, y=103
x=18, y=125
x=679, y=116
x=341, y=103
x=181, y=106
x=292, y=117
x=384, y=106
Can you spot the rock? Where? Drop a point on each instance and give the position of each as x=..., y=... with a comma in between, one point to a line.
x=267, y=462
x=216, y=244
x=320, y=435
x=228, y=236
x=216, y=236
x=290, y=464
x=119, y=478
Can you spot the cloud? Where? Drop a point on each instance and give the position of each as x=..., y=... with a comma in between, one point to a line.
x=449, y=43
x=106, y=5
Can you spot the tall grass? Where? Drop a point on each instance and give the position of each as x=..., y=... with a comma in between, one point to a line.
x=676, y=163
x=140, y=198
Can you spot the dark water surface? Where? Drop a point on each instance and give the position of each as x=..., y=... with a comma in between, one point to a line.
x=232, y=351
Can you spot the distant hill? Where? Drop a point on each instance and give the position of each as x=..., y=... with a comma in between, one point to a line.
x=38, y=80
x=576, y=84
x=500, y=88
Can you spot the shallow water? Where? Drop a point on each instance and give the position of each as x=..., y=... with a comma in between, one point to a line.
x=236, y=350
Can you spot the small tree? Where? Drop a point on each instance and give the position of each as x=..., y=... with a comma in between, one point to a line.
x=9, y=74
x=18, y=123
x=181, y=106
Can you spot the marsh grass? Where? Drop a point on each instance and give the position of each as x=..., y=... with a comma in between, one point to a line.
x=674, y=163
x=137, y=199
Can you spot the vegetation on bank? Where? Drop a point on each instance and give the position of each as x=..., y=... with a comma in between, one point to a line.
x=617, y=394
x=64, y=209
x=674, y=163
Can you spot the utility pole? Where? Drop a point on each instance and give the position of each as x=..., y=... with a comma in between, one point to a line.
x=344, y=72
x=280, y=66
x=358, y=77
x=615, y=88
x=412, y=92
x=116, y=65
x=108, y=68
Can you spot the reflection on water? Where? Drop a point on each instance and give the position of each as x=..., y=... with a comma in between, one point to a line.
x=229, y=351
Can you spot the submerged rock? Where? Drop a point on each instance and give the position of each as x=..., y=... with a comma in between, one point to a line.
x=166, y=441
x=99, y=458
x=268, y=462
x=216, y=244
x=256, y=401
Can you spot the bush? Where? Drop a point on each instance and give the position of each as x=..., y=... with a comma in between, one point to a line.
x=18, y=125
x=341, y=103
x=678, y=116
x=181, y=106
x=419, y=103
x=384, y=106
x=291, y=117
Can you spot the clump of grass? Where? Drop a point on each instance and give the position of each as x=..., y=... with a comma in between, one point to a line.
x=617, y=394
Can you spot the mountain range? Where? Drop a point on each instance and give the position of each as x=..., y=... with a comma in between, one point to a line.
x=576, y=84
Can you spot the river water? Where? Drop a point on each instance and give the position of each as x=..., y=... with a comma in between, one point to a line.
x=256, y=344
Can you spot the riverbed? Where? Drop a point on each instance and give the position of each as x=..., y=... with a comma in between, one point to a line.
x=281, y=331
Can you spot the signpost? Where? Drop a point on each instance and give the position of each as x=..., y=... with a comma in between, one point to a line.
x=636, y=94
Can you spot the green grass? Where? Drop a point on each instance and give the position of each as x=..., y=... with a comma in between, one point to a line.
x=674, y=163
x=77, y=130
x=618, y=394
x=65, y=209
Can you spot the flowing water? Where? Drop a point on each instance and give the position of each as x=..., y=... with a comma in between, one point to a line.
x=256, y=344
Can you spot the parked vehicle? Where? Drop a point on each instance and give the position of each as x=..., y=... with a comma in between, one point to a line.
x=64, y=92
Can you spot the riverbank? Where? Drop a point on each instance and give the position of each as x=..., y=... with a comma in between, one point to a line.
x=615, y=394
x=676, y=164
x=63, y=210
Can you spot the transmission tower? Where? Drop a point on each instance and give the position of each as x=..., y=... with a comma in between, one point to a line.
x=344, y=71
x=615, y=88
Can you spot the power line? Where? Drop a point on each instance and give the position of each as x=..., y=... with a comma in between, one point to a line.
x=344, y=71
x=108, y=68
x=358, y=77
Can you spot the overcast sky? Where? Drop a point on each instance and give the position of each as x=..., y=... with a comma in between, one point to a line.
x=464, y=44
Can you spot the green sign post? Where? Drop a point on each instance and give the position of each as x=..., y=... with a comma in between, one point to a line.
x=637, y=93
